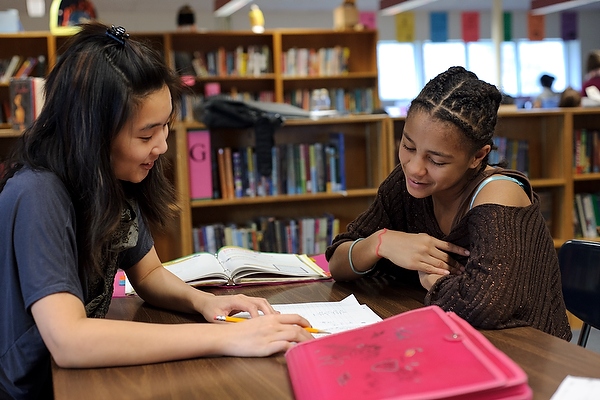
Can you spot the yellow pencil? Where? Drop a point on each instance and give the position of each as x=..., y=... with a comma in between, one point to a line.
x=226, y=318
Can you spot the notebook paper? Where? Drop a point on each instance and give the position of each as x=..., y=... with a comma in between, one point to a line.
x=330, y=316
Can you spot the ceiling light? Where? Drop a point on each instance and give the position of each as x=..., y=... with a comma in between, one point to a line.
x=224, y=8
x=540, y=7
x=392, y=7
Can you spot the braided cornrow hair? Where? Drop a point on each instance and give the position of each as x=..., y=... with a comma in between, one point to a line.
x=459, y=97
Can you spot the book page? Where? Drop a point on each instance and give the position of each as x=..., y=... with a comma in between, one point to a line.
x=330, y=316
x=242, y=262
x=195, y=267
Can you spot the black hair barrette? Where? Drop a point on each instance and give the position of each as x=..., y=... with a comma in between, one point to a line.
x=117, y=33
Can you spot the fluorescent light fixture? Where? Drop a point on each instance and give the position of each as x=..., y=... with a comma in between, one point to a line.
x=224, y=8
x=392, y=7
x=36, y=8
x=541, y=7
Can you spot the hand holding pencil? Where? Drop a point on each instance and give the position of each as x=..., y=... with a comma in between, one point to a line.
x=226, y=318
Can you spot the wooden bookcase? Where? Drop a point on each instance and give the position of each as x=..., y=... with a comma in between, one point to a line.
x=361, y=72
x=366, y=140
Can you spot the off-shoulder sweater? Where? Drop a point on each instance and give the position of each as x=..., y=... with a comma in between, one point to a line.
x=511, y=276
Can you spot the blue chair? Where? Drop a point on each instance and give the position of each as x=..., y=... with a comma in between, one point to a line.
x=579, y=262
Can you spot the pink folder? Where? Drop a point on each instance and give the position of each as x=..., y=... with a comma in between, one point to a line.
x=420, y=354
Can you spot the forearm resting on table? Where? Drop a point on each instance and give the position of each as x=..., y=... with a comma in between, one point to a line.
x=76, y=341
x=163, y=289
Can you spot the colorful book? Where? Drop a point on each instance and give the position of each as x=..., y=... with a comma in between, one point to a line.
x=200, y=164
x=420, y=354
x=27, y=99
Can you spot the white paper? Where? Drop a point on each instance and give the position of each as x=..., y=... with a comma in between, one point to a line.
x=580, y=388
x=330, y=316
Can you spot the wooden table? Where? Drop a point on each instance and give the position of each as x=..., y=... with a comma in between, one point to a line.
x=546, y=359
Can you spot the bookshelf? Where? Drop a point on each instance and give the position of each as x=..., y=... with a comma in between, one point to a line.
x=366, y=138
x=277, y=66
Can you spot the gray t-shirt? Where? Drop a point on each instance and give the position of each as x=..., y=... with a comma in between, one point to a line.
x=38, y=257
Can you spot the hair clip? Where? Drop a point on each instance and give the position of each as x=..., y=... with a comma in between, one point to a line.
x=117, y=33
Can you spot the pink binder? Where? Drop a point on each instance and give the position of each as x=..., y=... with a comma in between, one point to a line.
x=199, y=158
x=420, y=354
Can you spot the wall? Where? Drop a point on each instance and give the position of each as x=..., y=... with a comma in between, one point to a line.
x=589, y=28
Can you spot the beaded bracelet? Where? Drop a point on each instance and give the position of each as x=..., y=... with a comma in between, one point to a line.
x=350, y=259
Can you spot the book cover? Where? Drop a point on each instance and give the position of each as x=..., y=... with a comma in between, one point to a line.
x=420, y=354
x=27, y=99
x=200, y=164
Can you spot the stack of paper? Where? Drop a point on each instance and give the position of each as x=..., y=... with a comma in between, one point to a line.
x=330, y=316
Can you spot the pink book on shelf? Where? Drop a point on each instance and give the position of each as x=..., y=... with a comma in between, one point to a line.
x=212, y=88
x=199, y=159
x=420, y=354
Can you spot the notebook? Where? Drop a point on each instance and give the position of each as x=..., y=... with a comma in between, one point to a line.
x=420, y=354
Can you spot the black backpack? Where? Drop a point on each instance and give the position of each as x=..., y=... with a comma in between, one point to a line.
x=223, y=112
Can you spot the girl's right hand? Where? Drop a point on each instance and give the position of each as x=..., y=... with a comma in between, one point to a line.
x=421, y=252
x=264, y=335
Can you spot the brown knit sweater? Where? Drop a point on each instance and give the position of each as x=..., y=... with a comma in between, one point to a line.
x=511, y=277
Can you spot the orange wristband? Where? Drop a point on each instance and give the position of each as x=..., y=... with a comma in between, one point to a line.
x=379, y=244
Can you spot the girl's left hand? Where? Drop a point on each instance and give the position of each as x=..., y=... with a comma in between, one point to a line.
x=232, y=304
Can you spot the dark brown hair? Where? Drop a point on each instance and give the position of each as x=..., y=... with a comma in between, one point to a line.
x=459, y=97
x=96, y=86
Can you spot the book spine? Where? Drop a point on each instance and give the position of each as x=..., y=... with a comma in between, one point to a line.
x=200, y=164
x=237, y=174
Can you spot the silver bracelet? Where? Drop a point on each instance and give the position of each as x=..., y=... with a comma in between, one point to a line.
x=350, y=259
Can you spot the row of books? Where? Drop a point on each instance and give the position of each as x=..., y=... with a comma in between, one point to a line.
x=308, y=235
x=295, y=168
x=513, y=152
x=243, y=61
x=586, y=215
x=586, y=151
x=21, y=67
x=330, y=61
x=359, y=100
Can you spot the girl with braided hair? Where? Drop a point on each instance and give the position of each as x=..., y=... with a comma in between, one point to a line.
x=470, y=233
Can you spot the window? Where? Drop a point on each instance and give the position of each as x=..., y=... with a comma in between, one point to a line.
x=404, y=68
x=398, y=78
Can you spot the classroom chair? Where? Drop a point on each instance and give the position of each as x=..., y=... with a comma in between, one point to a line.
x=579, y=262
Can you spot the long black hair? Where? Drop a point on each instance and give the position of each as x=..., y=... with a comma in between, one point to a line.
x=97, y=84
x=459, y=97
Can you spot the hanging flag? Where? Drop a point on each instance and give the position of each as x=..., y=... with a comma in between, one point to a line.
x=470, y=26
x=439, y=26
x=507, y=27
x=367, y=19
x=568, y=25
x=535, y=27
x=405, y=27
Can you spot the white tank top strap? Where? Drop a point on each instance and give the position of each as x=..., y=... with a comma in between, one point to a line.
x=490, y=179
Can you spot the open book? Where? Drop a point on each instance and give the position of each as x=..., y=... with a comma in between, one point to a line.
x=234, y=265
